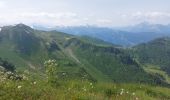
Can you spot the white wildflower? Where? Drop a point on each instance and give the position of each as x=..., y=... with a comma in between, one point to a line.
x=19, y=87
x=34, y=83
x=136, y=98
x=122, y=91
x=64, y=74
x=25, y=78
x=91, y=84
x=84, y=89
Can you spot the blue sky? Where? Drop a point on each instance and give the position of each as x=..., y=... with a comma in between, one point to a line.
x=82, y=12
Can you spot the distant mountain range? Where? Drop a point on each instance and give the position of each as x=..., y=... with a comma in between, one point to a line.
x=125, y=36
x=147, y=27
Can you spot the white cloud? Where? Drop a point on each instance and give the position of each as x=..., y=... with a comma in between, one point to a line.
x=74, y=19
x=82, y=12
x=2, y=4
x=104, y=21
x=154, y=17
x=52, y=19
x=151, y=15
x=49, y=15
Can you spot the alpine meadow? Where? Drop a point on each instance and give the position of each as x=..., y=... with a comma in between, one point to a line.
x=84, y=50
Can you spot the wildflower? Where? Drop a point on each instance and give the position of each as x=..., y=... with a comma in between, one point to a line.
x=136, y=98
x=11, y=77
x=64, y=74
x=133, y=93
x=24, y=77
x=127, y=92
x=34, y=83
x=84, y=89
x=51, y=69
x=19, y=87
x=91, y=83
x=9, y=72
x=122, y=91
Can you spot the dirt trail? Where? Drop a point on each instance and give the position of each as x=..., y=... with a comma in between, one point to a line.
x=70, y=52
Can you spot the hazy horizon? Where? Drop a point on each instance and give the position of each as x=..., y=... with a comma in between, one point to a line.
x=106, y=13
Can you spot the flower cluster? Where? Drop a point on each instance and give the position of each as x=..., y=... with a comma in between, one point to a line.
x=91, y=85
x=8, y=75
x=2, y=77
x=50, y=62
x=51, y=66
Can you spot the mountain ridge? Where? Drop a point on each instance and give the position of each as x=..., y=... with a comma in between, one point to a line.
x=74, y=55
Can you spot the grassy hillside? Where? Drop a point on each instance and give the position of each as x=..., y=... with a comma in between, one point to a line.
x=76, y=56
x=109, y=61
x=156, y=53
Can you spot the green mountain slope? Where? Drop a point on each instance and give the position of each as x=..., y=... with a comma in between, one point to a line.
x=156, y=52
x=77, y=57
x=112, y=62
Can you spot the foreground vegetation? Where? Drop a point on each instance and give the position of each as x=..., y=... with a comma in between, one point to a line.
x=79, y=90
x=15, y=86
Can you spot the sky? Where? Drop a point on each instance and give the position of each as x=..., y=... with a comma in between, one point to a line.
x=107, y=13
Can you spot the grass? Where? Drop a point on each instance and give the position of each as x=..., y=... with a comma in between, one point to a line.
x=36, y=89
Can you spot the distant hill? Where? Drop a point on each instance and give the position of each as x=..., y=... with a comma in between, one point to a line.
x=125, y=36
x=148, y=27
x=77, y=56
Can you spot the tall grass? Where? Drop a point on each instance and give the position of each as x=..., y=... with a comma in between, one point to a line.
x=79, y=90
